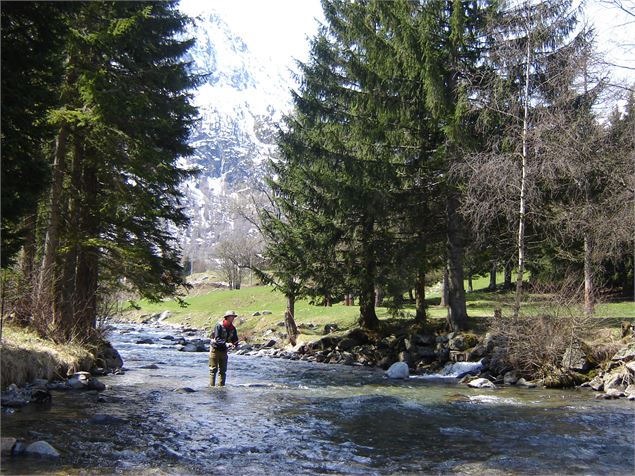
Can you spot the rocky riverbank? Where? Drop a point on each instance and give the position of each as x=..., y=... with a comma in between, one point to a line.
x=429, y=352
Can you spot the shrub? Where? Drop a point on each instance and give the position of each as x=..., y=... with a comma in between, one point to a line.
x=534, y=343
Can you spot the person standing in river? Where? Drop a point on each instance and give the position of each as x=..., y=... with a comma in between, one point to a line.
x=223, y=335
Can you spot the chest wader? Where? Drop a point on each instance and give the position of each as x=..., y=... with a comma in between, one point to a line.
x=217, y=363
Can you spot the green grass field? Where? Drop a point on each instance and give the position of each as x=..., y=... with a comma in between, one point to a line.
x=206, y=307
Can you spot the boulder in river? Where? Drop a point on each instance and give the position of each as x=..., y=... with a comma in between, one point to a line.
x=42, y=448
x=146, y=340
x=398, y=370
x=84, y=381
x=6, y=445
x=481, y=383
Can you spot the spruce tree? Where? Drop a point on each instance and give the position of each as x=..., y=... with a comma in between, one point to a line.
x=123, y=121
x=32, y=38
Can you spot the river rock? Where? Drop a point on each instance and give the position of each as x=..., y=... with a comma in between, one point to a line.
x=164, y=315
x=423, y=339
x=510, y=378
x=189, y=347
x=79, y=380
x=347, y=344
x=630, y=390
x=524, y=383
x=442, y=339
x=576, y=358
x=41, y=395
x=597, y=383
x=185, y=390
x=398, y=370
x=477, y=353
x=147, y=340
x=323, y=344
x=84, y=381
x=6, y=445
x=457, y=343
x=425, y=353
x=626, y=353
x=42, y=448
x=481, y=383
x=329, y=328
x=101, y=419
x=617, y=379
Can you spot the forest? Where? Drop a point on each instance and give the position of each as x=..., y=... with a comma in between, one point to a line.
x=453, y=138
x=429, y=140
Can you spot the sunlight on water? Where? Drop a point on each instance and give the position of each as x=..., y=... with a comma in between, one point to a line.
x=282, y=417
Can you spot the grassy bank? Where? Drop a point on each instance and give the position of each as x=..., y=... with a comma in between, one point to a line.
x=206, y=307
x=26, y=356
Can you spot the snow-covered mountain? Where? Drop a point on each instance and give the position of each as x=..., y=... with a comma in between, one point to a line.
x=239, y=104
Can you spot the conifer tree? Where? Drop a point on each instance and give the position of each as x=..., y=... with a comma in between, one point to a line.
x=123, y=121
x=443, y=51
x=32, y=38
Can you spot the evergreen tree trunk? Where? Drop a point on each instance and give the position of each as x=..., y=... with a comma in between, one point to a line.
x=445, y=287
x=88, y=257
x=457, y=312
x=470, y=283
x=68, y=280
x=51, y=240
x=420, y=297
x=492, y=276
x=367, y=315
x=379, y=296
x=507, y=284
x=289, y=321
x=28, y=258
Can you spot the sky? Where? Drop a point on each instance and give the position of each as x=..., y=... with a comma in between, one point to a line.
x=280, y=29
x=276, y=29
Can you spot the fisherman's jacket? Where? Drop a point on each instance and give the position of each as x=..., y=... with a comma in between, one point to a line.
x=223, y=333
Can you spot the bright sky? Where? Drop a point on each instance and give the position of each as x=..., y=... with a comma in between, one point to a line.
x=280, y=29
x=276, y=29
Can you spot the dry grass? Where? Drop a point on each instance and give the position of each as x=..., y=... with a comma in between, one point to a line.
x=24, y=357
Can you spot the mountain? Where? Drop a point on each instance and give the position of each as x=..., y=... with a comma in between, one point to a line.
x=240, y=104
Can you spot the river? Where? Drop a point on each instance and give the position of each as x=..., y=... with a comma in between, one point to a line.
x=278, y=417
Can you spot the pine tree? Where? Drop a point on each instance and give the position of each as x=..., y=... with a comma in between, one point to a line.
x=32, y=40
x=123, y=121
x=442, y=47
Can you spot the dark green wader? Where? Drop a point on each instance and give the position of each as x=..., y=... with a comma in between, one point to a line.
x=217, y=362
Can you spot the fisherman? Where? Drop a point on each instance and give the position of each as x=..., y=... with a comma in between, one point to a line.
x=223, y=336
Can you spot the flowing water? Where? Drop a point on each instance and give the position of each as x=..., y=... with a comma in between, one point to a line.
x=279, y=417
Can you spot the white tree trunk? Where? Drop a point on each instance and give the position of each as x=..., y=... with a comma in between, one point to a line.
x=523, y=185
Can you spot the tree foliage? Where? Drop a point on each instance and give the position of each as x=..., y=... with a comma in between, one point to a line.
x=121, y=119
